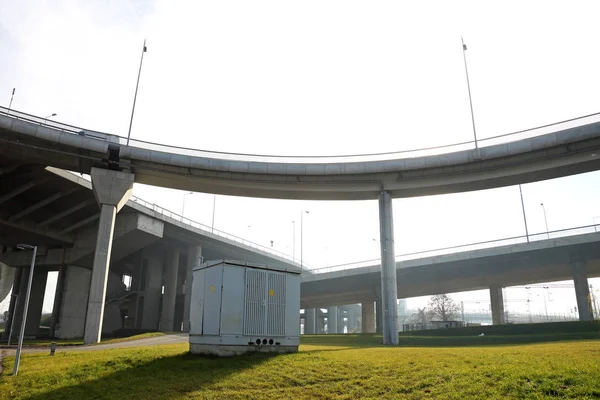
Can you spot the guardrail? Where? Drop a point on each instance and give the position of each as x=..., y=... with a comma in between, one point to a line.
x=490, y=141
x=210, y=230
x=466, y=247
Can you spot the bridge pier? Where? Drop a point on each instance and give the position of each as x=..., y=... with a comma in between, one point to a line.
x=389, y=288
x=332, y=320
x=368, y=317
x=194, y=259
x=582, y=291
x=12, y=306
x=152, y=287
x=112, y=189
x=310, y=321
x=497, y=302
x=168, y=306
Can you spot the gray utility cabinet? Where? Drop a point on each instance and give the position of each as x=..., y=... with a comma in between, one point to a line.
x=237, y=307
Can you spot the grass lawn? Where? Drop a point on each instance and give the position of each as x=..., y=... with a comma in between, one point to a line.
x=342, y=367
x=79, y=342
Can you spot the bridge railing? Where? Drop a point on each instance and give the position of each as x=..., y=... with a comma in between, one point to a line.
x=580, y=230
x=210, y=230
x=383, y=156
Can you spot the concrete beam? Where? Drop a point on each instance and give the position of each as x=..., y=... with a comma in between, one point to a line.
x=40, y=204
x=81, y=223
x=20, y=190
x=30, y=226
x=65, y=213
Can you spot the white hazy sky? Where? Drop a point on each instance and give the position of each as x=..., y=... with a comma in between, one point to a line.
x=319, y=77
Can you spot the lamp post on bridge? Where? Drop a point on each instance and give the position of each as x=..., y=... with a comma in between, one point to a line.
x=183, y=204
x=49, y=116
x=302, y=239
x=144, y=49
x=464, y=47
x=545, y=220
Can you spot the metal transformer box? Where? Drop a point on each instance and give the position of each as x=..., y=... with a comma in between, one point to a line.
x=239, y=307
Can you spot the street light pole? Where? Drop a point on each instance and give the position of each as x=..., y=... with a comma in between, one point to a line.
x=294, y=241
x=464, y=47
x=302, y=238
x=25, y=308
x=212, y=227
x=49, y=116
x=524, y=217
x=144, y=49
x=545, y=220
x=11, y=100
x=183, y=204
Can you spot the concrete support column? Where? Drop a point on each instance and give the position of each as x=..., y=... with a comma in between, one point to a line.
x=112, y=189
x=389, y=288
x=378, y=317
x=153, y=264
x=71, y=321
x=12, y=307
x=36, y=302
x=168, y=307
x=310, y=321
x=582, y=291
x=368, y=317
x=58, y=296
x=194, y=260
x=332, y=320
x=497, y=301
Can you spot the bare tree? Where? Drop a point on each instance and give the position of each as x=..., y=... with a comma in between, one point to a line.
x=443, y=307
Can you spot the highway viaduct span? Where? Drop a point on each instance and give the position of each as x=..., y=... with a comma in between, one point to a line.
x=561, y=149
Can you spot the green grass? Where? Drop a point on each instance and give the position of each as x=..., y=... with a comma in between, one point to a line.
x=342, y=367
x=79, y=342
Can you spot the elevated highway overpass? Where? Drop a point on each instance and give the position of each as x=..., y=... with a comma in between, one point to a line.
x=565, y=148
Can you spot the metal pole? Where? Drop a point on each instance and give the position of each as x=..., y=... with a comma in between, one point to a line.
x=11, y=100
x=212, y=227
x=136, y=90
x=545, y=220
x=183, y=204
x=294, y=242
x=24, y=321
x=524, y=217
x=301, y=240
x=464, y=46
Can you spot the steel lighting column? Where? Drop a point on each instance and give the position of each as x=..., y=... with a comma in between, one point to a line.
x=294, y=241
x=524, y=217
x=49, y=116
x=464, y=47
x=183, y=204
x=24, y=318
x=212, y=227
x=302, y=238
x=11, y=99
x=144, y=49
x=545, y=220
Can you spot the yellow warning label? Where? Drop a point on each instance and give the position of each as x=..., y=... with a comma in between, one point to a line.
x=271, y=292
x=212, y=288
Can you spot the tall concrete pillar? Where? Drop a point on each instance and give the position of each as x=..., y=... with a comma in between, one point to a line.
x=497, y=301
x=368, y=317
x=194, y=260
x=168, y=307
x=112, y=189
x=332, y=320
x=12, y=306
x=58, y=296
x=71, y=321
x=582, y=291
x=389, y=288
x=310, y=321
x=152, y=262
x=36, y=302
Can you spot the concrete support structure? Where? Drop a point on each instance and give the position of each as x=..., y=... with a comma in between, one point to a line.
x=368, y=317
x=194, y=259
x=497, y=302
x=168, y=306
x=310, y=321
x=112, y=189
x=332, y=320
x=13, y=306
x=153, y=266
x=582, y=291
x=36, y=302
x=389, y=288
x=58, y=296
x=71, y=321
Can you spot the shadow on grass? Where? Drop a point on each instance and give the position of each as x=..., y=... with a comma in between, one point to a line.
x=167, y=377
